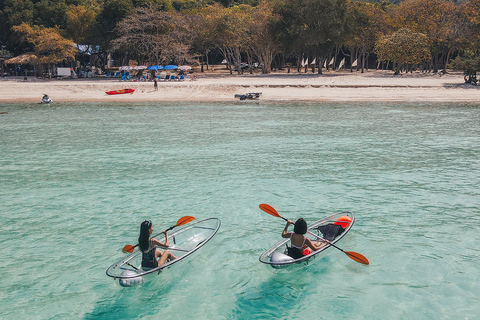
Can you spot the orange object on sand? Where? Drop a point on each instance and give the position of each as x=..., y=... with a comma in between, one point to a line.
x=122, y=91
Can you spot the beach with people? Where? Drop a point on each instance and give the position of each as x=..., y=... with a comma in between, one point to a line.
x=219, y=85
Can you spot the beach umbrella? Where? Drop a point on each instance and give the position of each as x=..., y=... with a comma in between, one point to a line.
x=170, y=67
x=140, y=68
x=125, y=68
x=155, y=67
x=184, y=68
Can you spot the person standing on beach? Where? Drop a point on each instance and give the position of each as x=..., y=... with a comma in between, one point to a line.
x=155, y=84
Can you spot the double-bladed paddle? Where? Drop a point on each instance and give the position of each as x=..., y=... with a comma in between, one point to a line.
x=183, y=220
x=352, y=255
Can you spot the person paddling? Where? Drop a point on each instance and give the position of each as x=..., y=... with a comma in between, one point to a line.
x=299, y=243
x=148, y=246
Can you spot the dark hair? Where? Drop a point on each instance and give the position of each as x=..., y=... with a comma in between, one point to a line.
x=300, y=226
x=144, y=235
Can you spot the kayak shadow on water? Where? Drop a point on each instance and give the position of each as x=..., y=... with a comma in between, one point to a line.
x=132, y=302
x=281, y=295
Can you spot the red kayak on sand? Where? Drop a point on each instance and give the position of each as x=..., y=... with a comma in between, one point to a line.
x=122, y=91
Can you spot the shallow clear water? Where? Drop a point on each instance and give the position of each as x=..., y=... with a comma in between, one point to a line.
x=76, y=180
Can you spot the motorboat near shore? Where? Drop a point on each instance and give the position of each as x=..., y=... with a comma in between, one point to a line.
x=184, y=241
x=121, y=91
x=332, y=228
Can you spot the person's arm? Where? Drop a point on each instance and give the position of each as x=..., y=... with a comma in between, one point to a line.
x=317, y=244
x=161, y=244
x=284, y=233
x=166, y=238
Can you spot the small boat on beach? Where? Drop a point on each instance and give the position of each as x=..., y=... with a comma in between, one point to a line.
x=121, y=91
x=248, y=95
x=332, y=228
x=46, y=99
x=128, y=271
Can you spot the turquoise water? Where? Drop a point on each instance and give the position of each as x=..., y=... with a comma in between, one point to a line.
x=76, y=180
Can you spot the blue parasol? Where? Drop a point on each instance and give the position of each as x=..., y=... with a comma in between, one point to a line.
x=155, y=67
x=170, y=67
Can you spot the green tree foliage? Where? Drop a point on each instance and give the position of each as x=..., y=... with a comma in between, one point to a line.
x=469, y=64
x=49, y=46
x=162, y=5
x=262, y=39
x=190, y=5
x=81, y=21
x=112, y=12
x=310, y=26
x=403, y=47
x=50, y=13
x=18, y=11
x=434, y=18
x=262, y=29
x=204, y=39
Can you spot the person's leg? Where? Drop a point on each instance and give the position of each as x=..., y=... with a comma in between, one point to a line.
x=320, y=244
x=164, y=256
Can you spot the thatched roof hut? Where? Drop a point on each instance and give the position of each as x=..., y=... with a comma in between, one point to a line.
x=22, y=59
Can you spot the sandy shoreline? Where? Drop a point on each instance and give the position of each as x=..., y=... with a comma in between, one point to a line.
x=332, y=86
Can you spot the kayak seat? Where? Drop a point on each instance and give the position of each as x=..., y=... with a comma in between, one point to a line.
x=331, y=231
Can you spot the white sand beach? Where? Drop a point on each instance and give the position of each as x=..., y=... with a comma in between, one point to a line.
x=332, y=86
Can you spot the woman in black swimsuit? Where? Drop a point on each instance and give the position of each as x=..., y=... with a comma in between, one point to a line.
x=148, y=246
x=299, y=243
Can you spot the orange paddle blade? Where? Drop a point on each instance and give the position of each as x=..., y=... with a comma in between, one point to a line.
x=357, y=257
x=128, y=248
x=269, y=209
x=184, y=220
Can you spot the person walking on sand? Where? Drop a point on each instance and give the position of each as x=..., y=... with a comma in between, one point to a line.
x=155, y=84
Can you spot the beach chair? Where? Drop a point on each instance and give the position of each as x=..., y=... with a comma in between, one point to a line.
x=167, y=77
x=172, y=77
x=107, y=74
x=117, y=75
x=182, y=77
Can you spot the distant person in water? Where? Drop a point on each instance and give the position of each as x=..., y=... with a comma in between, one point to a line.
x=151, y=256
x=299, y=244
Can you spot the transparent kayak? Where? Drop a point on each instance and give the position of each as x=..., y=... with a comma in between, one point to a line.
x=183, y=242
x=333, y=228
